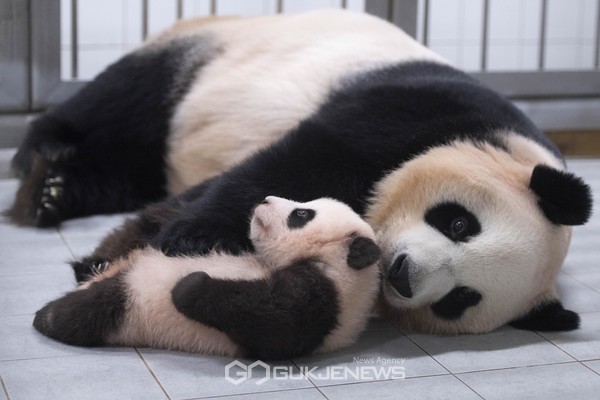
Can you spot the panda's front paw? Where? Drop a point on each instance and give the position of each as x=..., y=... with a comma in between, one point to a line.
x=181, y=241
x=189, y=292
x=197, y=239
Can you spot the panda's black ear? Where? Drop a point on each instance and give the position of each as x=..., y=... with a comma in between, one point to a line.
x=563, y=197
x=363, y=252
x=547, y=317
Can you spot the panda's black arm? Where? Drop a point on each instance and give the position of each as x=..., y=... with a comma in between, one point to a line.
x=306, y=164
x=283, y=316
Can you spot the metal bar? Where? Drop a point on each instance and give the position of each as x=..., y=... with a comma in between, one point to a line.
x=403, y=13
x=279, y=6
x=380, y=8
x=213, y=7
x=542, y=49
x=344, y=4
x=597, y=53
x=484, y=34
x=144, y=19
x=426, y=23
x=74, y=41
x=179, y=9
x=543, y=84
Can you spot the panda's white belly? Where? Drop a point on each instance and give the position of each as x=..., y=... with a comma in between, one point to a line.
x=152, y=320
x=274, y=72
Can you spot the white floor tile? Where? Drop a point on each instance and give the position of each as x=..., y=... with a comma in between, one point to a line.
x=594, y=365
x=187, y=376
x=28, y=257
x=427, y=388
x=8, y=189
x=28, y=293
x=576, y=296
x=95, y=226
x=376, y=356
x=504, y=348
x=299, y=394
x=548, y=382
x=583, y=343
x=111, y=375
x=590, y=279
x=20, y=341
x=82, y=246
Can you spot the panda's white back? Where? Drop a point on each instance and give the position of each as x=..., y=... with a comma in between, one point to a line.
x=258, y=88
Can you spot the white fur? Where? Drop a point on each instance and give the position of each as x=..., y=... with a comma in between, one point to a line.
x=512, y=262
x=260, y=88
x=152, y=320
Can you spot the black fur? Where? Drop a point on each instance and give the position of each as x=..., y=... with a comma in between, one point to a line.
x=547, y=317
x=374, y=123
x=287, y=315
x=445, y=216
x=453, y=305
x=563, y=197
x=398, y=276
x=109, y=140
x=84, y=317
x=363, y=252
x=300, y=217
x=135, y=233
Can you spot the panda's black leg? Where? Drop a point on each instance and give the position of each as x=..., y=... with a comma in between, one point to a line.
x=85, y=317
x=135, y=233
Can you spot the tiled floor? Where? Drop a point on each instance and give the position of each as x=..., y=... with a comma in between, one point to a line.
x=506, y=364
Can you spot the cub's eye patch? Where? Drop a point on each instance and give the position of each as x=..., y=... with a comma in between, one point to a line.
x=454, y=221
x=300, y=217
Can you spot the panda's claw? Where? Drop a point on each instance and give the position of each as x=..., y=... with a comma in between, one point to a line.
x=49, y=211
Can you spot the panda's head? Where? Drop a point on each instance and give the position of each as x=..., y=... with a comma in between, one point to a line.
x=474, y=236
x=284, y=231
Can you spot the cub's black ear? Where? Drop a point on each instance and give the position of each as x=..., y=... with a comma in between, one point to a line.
x=563, y=197
x=548, y=316
x=363, y=252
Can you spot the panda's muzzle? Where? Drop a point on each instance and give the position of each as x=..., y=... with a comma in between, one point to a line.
x=398, y=276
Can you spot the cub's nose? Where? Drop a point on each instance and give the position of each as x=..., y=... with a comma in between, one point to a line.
x=265, y=201
x=398, y=276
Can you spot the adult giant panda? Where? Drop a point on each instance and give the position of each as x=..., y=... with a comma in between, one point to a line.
x=469, y=200
x=310, y=286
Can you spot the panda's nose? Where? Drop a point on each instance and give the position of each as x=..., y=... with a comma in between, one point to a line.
x=265, y=201
x=398, y=276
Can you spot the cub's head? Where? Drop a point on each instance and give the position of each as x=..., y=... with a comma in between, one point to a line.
x=284, y=231
x=474, y=237
x=331, y=236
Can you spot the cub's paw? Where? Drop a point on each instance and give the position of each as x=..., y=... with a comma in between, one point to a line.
x=88, y=268
x=194, y=239
x=189, y=291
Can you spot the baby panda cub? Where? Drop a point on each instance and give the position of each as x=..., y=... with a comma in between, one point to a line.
x=309, y=286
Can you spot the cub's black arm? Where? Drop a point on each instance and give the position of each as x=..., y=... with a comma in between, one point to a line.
x=285, y=315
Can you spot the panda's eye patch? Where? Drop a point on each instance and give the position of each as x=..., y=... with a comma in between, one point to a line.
x=300, y=217
x=454, y=221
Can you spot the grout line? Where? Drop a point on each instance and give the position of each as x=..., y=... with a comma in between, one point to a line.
x=62, y=237
x=517, y=367
x=152, y=373
x=582, y=282
x=591, y=369
x=555, y=345
x=442, y=365
x=4, y=388
x=225, y=396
